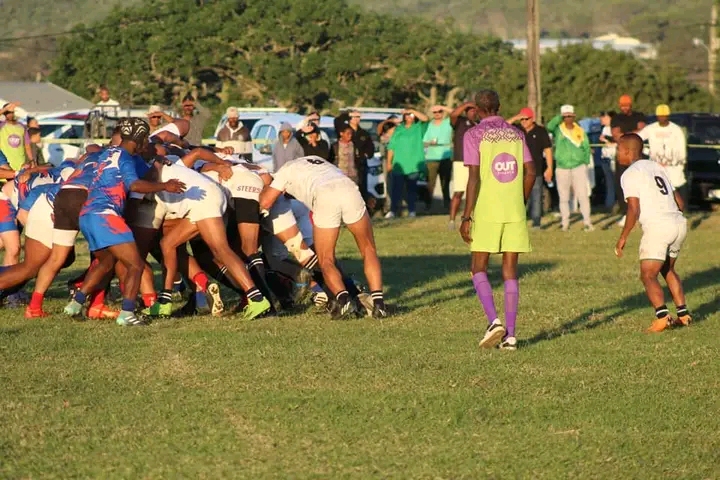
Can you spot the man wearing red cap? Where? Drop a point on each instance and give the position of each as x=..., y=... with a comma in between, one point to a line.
x=540, y=146
x=627, y=121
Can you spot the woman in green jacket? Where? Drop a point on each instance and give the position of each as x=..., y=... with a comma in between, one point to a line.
x=572, y=156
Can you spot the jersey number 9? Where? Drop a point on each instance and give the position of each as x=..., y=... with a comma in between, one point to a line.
x=660, y=182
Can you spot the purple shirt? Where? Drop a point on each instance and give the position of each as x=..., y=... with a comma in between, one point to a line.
x=493, y=129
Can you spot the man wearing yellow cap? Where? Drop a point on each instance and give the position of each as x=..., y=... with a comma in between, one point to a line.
x=668, y=147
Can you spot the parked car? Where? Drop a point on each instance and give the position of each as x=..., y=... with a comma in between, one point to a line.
x=50, y=129
x=249, y=116
x=703, y=164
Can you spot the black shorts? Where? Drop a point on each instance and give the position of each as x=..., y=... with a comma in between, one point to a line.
x=246, y=210
x=68, y=203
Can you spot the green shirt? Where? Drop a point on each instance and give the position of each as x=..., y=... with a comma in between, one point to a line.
x=12, y=144
x=572, y=147
x=500, y=151
x=443, y=135
x=408, y=150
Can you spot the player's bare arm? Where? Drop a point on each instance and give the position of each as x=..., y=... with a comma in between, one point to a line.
x=473, y=188
x=6, y=172
x=528, y=179
x=633, y=213
x=268, y=197
x=679, y=201
x=171, y=186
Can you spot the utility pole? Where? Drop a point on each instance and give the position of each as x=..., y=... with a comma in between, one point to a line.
x=713, y=48
x=533, y=58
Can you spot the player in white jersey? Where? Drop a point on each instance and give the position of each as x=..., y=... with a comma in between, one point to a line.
x=333, y=199
x=199, y=210
x=658, y=207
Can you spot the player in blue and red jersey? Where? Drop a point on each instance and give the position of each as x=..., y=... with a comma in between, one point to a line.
x=102, y=223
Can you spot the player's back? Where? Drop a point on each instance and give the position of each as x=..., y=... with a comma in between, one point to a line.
x=648, y=181
x=303, y=176
x=84, y=173
x=115, y=172
x=196, y=184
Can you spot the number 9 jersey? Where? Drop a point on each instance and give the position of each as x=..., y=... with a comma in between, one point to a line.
x=647, y=181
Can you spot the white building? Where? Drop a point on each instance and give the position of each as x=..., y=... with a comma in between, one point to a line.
x=645, y=51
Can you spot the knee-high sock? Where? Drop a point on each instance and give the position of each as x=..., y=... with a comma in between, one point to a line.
x=483, y=289
x=512, y=298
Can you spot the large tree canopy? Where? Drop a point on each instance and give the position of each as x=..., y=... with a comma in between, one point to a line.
x=305, y=54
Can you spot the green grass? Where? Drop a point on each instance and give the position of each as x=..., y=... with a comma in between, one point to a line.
x=588, y=395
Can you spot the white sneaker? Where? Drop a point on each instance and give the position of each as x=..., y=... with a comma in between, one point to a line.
x=390, y=215
x=621, y=222
x=451, y=225
x=493, y=335
x=412, y=215
x=510, y=343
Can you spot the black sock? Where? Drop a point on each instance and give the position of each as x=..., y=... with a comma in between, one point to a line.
x=682, y=310
x=312, y=263
x=256, y=267
x=662, y=311
x=165, y=296
x=377, y=298
x=343, y=297
x=350, y=285
x=254, y=294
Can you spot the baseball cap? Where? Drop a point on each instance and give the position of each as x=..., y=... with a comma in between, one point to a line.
x=567, y=110
x=286, y=127
x=232, y=112
x=154, y=109
x=527, y=112
x=662, y=111
x=625, y=100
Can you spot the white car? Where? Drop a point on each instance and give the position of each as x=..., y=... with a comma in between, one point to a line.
x=57, y=128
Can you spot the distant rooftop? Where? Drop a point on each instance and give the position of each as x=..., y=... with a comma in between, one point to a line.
x=37, y=98
x=645, y=51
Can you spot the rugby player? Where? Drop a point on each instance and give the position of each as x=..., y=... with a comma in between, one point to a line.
x=501, y=176
x=334, y=199
x=653, y=201
x=101, y=221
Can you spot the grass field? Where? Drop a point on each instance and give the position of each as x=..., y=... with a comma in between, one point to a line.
x=588, y=394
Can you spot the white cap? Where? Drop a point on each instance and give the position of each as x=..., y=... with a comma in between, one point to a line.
x=232, y=112
x=567, y=110
x=154, y=109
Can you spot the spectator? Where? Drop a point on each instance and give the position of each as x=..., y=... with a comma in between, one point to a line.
x=406, y=156
x=198, y=117
x=385, y=131
x=345, y=154
x=32, y=122
x=572, y=156
x=286, y=148
x=668, y=147
x=14, y=139
x=108, y=106
x=607, y=157
x=36, y=146
x=311, y=142
x=438, y=156
x=236, y=135
x=361, y=138
x=538, y=142
x=462, y=119
x=627, y=121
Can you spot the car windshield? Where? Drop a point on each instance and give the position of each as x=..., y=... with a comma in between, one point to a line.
x=706, y=130
x=46, y=130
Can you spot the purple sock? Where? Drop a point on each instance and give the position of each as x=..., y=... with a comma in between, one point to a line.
x=484, y=293
x=512, y=298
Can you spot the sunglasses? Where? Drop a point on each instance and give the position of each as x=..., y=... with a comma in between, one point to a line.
x=354, y=116
x=524, y=119
x=156, y=116
x=437, y=111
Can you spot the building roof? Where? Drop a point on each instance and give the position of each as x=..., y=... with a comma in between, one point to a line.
x=41, y=97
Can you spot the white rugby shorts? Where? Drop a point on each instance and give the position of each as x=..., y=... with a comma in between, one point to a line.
x=663, y=240
x=336, y=203
x=39, y=225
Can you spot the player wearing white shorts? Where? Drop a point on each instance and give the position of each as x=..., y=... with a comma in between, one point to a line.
x=200, y=210
x=334, y=199
x=658, y=207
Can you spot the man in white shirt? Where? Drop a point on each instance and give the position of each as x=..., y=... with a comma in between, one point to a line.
x=654, y=202
x=107, y=105
x=668, y=147
x=333, y=199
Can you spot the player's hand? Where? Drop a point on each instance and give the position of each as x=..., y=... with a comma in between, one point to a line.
x=225, y=173
x=228, y=150
x=174, y=186
x=620, y=246
x=23, y=177
x=465, y=232
x=548, y=175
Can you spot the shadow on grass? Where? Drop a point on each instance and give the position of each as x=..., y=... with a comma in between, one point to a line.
x=603, y=315
x=403, y=274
